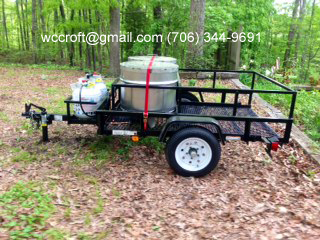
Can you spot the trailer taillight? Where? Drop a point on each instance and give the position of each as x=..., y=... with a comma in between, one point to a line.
x=274, y=146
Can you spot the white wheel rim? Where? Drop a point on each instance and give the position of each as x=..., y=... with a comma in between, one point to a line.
x=193, y=154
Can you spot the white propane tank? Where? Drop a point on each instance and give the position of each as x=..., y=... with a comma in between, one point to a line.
x=89, y=93
x=102, y=86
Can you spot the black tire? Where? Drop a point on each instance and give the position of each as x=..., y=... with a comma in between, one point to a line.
x=188, y=97
x=182, y=136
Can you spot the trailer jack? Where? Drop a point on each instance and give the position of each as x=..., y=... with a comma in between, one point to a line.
x=38, y=119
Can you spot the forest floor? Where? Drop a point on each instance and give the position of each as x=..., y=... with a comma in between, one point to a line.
x=84, y=186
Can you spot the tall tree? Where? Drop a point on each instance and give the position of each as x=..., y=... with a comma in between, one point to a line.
x=98, y=16
x=43, y=22
x=4, y=21
x=92, y=47
x=197, y=17
x=87, y=45
x=115, y=45
x=302, y=11
x=34, y=29
x=20, y=26
x=80, y=42
x=310, y=53
x=292, y=32
x=25, y=4
x=157, y=15
x=71, y=51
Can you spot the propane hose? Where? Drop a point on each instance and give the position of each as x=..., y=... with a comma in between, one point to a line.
x=80, y=103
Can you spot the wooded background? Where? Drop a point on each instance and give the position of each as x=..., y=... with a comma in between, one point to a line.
x=290, y=31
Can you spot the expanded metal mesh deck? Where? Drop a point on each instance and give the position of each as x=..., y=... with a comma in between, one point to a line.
x=231, y=127
x=258, y=129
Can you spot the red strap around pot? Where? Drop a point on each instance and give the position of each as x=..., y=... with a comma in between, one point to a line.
x=146, y=111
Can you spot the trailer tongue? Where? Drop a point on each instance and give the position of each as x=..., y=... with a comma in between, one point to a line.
x=193, y=131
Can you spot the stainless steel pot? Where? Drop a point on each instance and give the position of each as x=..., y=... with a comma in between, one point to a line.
x=157, y=59
x=160, y=100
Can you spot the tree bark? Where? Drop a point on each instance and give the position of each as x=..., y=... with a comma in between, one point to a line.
x=197, y=17
x=20, y=26
x=301, y=17
x=27, y=22
x=310, y=36
x=292, y=32
x=115, y=46
x=34, y=29
x=56, y=20
x=43, y=22
x=80, y=42
x=157, y=14
x=63, y=16
x=71, y=51
x=92, y=47
x=26, y=40
x=4, y=21
x=98, y=16
x=87, y=45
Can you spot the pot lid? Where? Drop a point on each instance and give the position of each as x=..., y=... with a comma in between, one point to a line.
x=148, y=58
x=143, y=65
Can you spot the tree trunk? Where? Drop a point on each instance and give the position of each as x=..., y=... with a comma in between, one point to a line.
x=63, y=16
x=26, y=40
x=197, y=16
x=88, y=58
x=310, y=37
x=92, y=47
x=34, y=29
x=80, y=42
x=115, y=46
x=56, y=20
x=292, y=32
x=301, y=17
x=4, y=21
x=27, y=22
x=157, y=14
x=98, y=16
x=71, y=51
x=20, y=26
x=43, y=23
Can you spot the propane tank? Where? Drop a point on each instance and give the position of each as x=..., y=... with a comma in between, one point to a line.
x=102, y=86
x=90, y=92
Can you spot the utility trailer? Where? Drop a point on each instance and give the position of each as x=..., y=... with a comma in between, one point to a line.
x=192, y=132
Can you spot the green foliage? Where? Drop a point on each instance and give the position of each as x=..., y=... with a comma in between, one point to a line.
x=26, y=126
x=192, y=82
x=25, y=208
x=25, y=157
x=152, y=143
x=125, y=147
x=307, y=109
x=41, y=66
x=143, y=17
x=55, y=234
x=4, y=117
x=311, y=174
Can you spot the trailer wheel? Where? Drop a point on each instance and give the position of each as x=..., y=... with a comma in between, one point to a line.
x=188, y=97
x=193, y=152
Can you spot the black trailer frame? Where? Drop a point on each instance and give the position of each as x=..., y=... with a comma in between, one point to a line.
x=242, y=117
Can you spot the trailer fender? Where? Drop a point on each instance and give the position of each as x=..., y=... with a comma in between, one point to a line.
x=185, y=121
